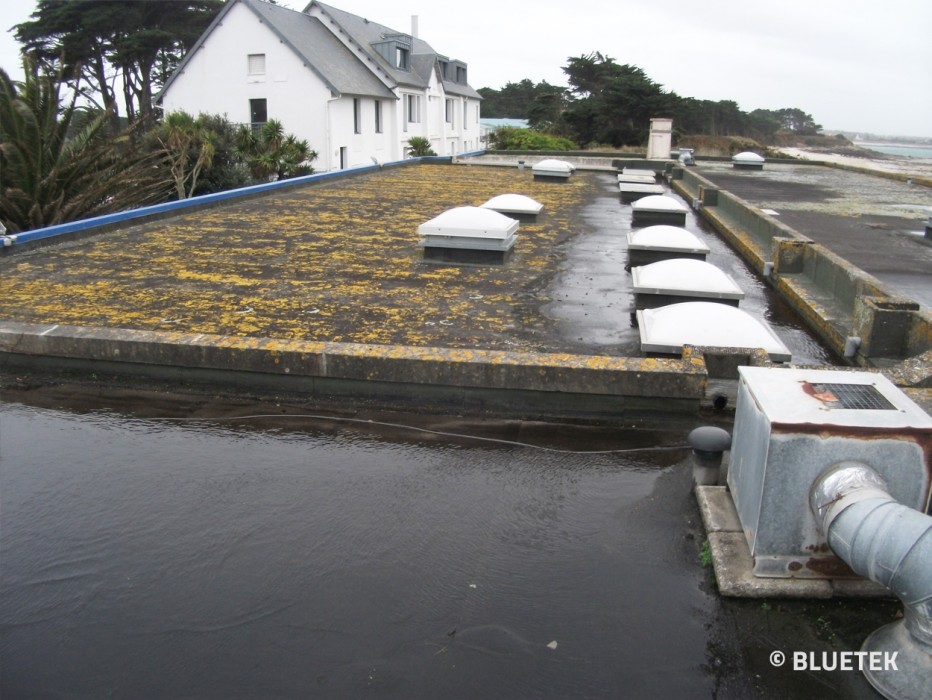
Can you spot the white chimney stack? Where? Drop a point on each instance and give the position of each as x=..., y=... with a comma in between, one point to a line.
x=414, y=26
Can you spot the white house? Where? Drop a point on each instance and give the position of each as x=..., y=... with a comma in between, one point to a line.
x=355, y=89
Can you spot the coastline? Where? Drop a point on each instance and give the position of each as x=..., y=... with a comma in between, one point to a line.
x=920, y=168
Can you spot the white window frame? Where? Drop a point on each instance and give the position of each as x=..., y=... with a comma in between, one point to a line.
x=379, y=127
x=255, y=64
x=413, y=109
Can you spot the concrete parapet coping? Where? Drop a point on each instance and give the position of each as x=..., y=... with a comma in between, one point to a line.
x=104, y=222
x=409, y=370
x=733, y=565
x=844, y=305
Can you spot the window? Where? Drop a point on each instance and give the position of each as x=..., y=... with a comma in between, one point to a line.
x=465, y=114
x=449, y=111
x=401, y=57
x=414, y=108
x=378, y=116
x=255, y=64
x=461, y=74
x=357, y=116
x=258, y=112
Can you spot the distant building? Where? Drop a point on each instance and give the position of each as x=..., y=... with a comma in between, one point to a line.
x=355, y=89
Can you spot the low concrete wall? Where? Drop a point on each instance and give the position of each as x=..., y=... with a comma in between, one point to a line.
x=526, y=384
x=850, y=310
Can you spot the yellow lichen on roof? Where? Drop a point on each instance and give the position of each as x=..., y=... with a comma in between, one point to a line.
x=335, y=261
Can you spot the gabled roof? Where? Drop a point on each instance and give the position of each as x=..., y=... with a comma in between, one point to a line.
x=366, y=33
x=323, y=54
x=342, y=70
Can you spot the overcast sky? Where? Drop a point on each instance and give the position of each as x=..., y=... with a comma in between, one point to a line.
x=857, y=65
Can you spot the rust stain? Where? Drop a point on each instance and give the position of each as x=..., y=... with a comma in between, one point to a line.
x=829, y=567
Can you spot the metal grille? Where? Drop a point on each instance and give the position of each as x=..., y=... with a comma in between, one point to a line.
x=854, y=396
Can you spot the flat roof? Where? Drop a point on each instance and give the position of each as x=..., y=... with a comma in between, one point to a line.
x=339, y=261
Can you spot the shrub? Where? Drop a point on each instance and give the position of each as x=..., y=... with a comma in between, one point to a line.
x=509, y=138
x=419, y=146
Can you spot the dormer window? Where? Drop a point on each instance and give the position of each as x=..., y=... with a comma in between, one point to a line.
x=461, y=74
x=395, y=49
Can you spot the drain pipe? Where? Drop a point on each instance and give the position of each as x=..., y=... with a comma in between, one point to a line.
x=889, y=543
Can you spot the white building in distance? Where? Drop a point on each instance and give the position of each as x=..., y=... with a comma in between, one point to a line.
x=355, y=89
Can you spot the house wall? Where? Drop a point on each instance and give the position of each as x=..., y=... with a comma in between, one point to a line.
x=360, y=148
x=216, y=81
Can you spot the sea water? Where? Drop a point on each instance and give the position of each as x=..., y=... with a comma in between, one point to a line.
x=902, y=149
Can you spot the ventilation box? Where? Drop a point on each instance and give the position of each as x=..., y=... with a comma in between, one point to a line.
x=790, y=425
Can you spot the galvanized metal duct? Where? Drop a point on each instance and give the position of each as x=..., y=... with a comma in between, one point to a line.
x=890, y=543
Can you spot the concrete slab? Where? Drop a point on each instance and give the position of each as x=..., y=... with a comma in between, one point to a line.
x=717, y=509
x=876, y=223
x=732, y=563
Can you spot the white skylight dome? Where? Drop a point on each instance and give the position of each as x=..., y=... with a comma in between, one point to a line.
x=668, y=238
x=684, y=277
x=552, y=168
x=659, y=203
x=642, y=176
x=514, y=204
x=469, y=222
x=747, y=157
x=658, y=209
x=667, y=329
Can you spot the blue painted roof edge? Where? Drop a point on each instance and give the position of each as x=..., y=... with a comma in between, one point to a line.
x=142, y=212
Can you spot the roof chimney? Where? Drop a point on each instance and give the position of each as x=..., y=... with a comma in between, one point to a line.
x=414, y=26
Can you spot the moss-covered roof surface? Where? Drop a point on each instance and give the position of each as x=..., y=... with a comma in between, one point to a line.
x=337, y=261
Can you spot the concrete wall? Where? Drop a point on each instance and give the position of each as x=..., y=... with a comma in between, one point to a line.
x=850, y=310
x=521, y=383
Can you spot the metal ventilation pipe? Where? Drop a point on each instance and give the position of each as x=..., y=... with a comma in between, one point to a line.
x=890, y=543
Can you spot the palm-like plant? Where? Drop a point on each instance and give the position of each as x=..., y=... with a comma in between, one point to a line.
x=419, y=146
x=270, y=154
x=51, y=176
x=189, y=147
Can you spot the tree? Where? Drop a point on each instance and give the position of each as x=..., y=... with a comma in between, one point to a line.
x=52, y=177
x=514, y=100
x=797, y=121
x=96, y=41
x=189, y=148
x=270, y=154
x=611, y=103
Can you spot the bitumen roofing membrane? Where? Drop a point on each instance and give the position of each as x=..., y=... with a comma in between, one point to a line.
x=339, y=261
x=875, y=223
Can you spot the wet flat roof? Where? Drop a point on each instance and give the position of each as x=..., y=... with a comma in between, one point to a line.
x=876, y=223
x=339, y=261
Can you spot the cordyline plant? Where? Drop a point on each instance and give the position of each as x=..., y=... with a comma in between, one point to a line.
x=189, y=147
x=270, y=154
x=63, y=163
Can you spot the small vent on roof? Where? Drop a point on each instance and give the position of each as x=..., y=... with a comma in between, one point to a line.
x=862, y=397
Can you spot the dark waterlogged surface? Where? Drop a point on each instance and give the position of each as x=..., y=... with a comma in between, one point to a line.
x=145, y=559
x=299, y=558
x=592, y=296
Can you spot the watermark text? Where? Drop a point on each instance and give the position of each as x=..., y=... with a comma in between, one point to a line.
x=837, y=660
